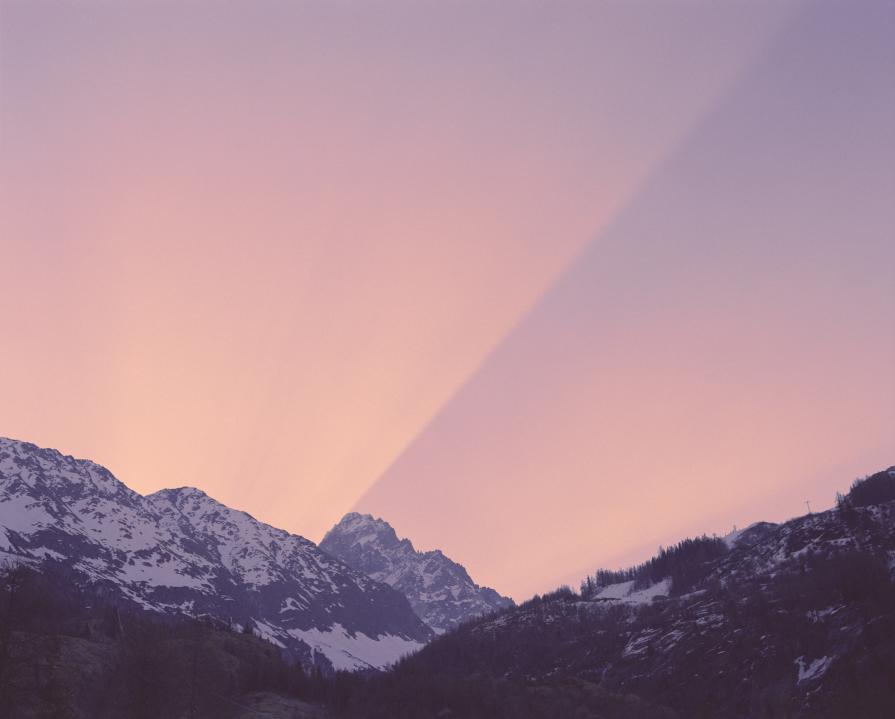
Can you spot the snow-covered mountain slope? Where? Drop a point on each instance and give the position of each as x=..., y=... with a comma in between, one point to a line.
x=180, y=551
x=440, y=590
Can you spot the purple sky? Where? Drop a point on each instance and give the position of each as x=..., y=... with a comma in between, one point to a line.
x=564, y=283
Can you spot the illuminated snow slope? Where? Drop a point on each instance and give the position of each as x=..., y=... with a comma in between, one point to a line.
x=180, y=551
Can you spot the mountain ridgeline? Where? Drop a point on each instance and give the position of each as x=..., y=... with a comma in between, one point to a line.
x=114, y=604
x=793, y=620
x=178, y=551
x=440, y=591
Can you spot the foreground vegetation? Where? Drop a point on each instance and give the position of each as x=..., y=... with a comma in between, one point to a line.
x=66, y=652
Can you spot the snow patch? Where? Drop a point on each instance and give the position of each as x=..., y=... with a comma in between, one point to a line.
x=814, y=670
x=359, y=651
x=625, y=592
x=23, y=514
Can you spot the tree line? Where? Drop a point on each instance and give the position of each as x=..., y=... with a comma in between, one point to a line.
x=68, y=651
x=685, y=563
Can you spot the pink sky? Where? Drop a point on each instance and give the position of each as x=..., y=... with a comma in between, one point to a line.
x=563, y=283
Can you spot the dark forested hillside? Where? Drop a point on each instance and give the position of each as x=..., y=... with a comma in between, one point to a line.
x=876, y=489
x=73, y=653
x=683, y=565
x=795, y=620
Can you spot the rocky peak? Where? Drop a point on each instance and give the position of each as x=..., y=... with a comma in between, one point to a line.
x=440, y=590
x=26, y=468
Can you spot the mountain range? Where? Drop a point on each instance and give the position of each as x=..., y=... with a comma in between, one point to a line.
x=776, y=620
x=178, y=551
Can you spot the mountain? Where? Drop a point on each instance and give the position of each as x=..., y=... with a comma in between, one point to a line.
x=179, y=551
x=440, y=591
x=791, y=620
x=777, y=620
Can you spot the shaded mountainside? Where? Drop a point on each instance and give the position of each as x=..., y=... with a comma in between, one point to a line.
x=793, y=620
x=790, y=620
x=440, y=591
x=178, y=551
x=70, y=652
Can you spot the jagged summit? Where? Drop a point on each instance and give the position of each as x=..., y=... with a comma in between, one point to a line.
x=440, y=590
x=363, y=529
x=177, y=493
x=181, y=551
x=356, y=522
x=26, y=463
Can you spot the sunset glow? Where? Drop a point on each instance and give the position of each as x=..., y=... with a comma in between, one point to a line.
x=427, y=260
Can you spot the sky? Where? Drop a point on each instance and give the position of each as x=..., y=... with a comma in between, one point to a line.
x=544, y=287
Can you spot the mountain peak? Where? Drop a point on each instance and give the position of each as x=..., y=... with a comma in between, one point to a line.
x=440, y=590
x=26, y=468
x=361, y=529
x=354, y=520
x=180, y=496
